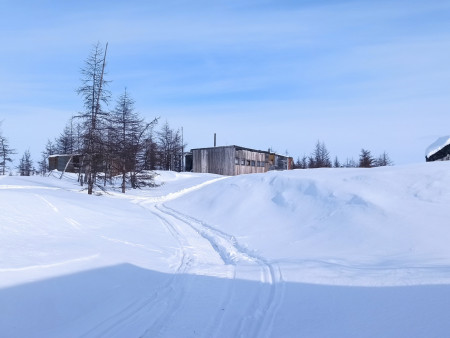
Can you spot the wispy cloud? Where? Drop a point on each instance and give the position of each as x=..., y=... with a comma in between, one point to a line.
x=289, y=68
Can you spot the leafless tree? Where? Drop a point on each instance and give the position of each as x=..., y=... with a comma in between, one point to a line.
x=336, y=163
x=320, y=158
x=5, y=153
x=383, y=160
x=50, y=149
x=365, y=159
x=94, y=94
x=26, y=164
x=128, y=130
x=170, y=148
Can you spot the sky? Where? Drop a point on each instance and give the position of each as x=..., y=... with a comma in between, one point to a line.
x=280, y=74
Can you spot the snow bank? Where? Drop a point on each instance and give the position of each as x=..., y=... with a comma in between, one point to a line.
x=332, y=223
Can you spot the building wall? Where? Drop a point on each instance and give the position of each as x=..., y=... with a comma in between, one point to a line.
x=219, y=160
x=441, y=155
x=249, y=162
x=233, y=160
x=59, y=162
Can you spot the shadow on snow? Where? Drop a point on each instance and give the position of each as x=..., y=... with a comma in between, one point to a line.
x=129, y=301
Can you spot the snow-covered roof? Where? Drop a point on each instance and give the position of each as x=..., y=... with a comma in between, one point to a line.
x=61, y=155
x=440, y=143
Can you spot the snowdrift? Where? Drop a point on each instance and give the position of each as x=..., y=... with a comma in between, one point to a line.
x=327, y=219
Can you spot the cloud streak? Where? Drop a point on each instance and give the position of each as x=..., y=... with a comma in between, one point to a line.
x=297, y=71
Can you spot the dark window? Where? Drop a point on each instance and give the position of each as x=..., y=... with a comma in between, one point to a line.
x=248, y=162
x=236, y=160
x=253, y=163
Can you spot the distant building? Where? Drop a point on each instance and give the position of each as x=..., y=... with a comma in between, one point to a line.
x=235, y=160
x=75, y=163
x=65, y=162
x=439, y=150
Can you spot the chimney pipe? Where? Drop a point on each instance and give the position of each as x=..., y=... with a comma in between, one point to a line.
x=214, y=140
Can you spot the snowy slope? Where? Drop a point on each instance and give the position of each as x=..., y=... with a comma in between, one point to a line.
x=327, y=219
x=314, y=253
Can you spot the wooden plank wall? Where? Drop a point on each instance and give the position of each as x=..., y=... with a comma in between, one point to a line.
x=62, y=161
x=231, y=160
x=219, y=160
x=59, y=162
x=248, y=162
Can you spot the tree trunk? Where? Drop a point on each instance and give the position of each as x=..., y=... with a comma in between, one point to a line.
x=124, y=177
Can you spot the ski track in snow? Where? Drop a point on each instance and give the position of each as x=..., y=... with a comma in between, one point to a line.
x=11, y=187
x=264, y=307
x=49, y=266
x=183, y=235
x=173, y=195
x=156, y=309
x=55, y=209
x=201, y=243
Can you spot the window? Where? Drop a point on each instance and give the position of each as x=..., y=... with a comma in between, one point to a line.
x=236, y=160
x=248, y=162
x=242, y=161
x=258, y=164
x=253, y=163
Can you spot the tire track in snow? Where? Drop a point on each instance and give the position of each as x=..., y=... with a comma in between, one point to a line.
x=11, y=187
x=174, y=299
x=217, y=319
x=156, y=309
x=260, y=323
x=159, y=309
x=50, y=205
x=68, y=220
x=51, y=265
x=196, y=252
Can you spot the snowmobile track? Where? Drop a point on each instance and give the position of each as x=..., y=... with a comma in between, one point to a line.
x=268, y=301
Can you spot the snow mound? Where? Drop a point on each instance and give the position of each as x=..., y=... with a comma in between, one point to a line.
x=337, y=220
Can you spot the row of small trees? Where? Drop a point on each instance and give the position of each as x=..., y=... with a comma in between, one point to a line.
x=320, y=158
x=25, y=166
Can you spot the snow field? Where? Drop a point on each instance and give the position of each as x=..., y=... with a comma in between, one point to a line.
x=306, y=253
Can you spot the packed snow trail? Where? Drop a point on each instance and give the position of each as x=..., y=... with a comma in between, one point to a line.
x=247, y=265
x=202, y=247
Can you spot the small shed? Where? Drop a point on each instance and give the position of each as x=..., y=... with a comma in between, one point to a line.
x=65, y=162
x=439, y=150
x=236, y=160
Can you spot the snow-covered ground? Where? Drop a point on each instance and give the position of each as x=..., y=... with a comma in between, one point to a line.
x=305, y=253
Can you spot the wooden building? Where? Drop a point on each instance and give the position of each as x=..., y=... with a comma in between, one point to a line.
x=65, y=162
x=73, y=163
x=439, y=150
x=235, y=160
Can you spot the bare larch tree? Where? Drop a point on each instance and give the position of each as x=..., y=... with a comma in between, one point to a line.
x=94, y=93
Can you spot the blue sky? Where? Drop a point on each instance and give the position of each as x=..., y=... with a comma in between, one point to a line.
x=280, y=74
